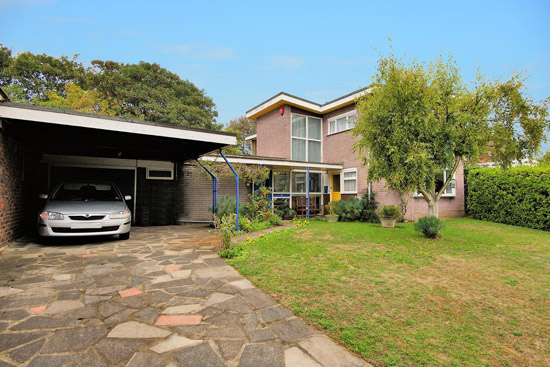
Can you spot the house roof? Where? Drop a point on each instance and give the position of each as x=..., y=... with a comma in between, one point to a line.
x=57, y=131
x=283, y=98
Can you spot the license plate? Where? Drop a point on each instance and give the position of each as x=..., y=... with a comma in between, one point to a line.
x=85, y=225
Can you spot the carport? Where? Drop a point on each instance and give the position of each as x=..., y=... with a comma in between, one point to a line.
x=40, y=146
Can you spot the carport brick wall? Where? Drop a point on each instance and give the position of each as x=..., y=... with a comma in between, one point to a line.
x=12, y=208
x=156, y=201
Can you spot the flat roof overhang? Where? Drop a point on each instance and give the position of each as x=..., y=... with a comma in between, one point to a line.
x=63, y=132
x=272, y=162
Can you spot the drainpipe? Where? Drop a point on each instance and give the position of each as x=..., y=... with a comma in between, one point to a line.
x=237, y=181
x=307, y=180
x=214, y=187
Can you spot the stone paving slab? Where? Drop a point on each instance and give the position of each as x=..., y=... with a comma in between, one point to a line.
x=162, y=298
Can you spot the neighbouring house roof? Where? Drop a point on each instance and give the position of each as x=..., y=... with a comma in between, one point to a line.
x=270, y=161
x=251, y=137
x=283, y=98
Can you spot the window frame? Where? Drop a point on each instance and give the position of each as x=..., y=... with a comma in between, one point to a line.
x=163, y=169
x=452, y=194
x=342, y=180
x=335, y=119
x=307, y=139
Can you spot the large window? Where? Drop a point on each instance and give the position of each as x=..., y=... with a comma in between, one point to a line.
x=342, y=123
x=281, y=181
x=306, y=138
x=349, y=180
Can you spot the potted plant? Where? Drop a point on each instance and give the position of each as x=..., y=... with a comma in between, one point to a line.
x=388, y=215
x=332, y=209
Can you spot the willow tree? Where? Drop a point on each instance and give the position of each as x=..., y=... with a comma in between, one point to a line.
x=421, y=119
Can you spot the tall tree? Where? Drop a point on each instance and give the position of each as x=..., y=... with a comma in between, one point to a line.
x=32, y=77
x=149, y=92
x=419, y=120
x=243, y=127
x=141, y=91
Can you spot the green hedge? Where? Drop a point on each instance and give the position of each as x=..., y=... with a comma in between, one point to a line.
x=519, y=196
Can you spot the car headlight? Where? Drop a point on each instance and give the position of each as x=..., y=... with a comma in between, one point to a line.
x=120, y=215
x=52, y=216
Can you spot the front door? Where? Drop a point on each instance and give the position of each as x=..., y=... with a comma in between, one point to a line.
x=335, y=186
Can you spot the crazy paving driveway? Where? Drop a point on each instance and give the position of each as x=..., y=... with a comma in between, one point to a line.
x=162, y=298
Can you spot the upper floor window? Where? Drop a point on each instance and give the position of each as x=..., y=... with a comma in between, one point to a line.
x=440, y=179
x=306, y=138
x=342, y=123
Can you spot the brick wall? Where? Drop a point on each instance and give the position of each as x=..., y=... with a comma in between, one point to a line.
x=274, y=134
x=157, y=201
x=195, y=188
x=19, y=169
x=339, y=148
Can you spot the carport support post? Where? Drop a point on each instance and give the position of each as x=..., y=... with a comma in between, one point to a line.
x=307, y=180
x=214, y=187
x=237, y=181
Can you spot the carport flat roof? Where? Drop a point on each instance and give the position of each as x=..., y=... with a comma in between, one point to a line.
x=270, y=161
x=58, y=131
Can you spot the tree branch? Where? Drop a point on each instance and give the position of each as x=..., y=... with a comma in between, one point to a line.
x=458, y=158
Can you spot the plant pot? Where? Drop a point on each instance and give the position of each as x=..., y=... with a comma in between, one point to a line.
x=331, y=218
x=388, y=223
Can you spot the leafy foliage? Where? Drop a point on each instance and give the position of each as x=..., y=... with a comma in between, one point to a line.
x=77, y=99
x=243, y=127
x=238, y=251
x=250, y=173
x=140, y=91
x=225, y=226
x=418, y=120
x=33, y=77
x=518, y=196
x=429, y=226
x=284, y=211
x=150, y=92
x=390, y=212
x=355, y=210
x=545, y=160
x=226, y=205
x=333, y=207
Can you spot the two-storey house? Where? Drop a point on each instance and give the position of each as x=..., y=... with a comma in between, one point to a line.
x=294, y=129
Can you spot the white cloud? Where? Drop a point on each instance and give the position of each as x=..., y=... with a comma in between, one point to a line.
x=285, y=62
x=199, y=51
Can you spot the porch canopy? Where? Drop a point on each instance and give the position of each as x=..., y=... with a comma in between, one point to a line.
x=61, y=132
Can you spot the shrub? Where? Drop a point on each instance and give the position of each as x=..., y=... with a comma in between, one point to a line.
x=333, y=207
x=225, y=227
x=390, y=212
x=429, y=226
x=350, y=210
x=274, y=220
x=519, y=196
x=239, y=250
x=284, y=211
x=368, y=210
x=226, y=205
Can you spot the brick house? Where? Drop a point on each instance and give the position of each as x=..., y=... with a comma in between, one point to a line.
x=292, y=128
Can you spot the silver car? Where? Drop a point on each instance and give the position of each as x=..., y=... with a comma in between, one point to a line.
x=85, y=209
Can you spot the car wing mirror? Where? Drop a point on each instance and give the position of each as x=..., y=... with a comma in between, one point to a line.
x=43, y=196
x=128, y=197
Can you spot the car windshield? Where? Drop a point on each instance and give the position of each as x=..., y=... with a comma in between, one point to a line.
x=86, y=192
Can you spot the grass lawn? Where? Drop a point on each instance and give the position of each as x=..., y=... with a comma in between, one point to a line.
x=479, y=296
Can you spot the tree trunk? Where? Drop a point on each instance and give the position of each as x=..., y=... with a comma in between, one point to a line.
x=433, y=208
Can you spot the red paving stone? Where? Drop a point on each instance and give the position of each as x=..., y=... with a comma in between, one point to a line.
x=37, y=310
x=90, y=255
x=172, y=267
x=130, y=292
x=179, y=320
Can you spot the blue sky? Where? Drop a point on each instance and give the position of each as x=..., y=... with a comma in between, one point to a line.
x=243, y=52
